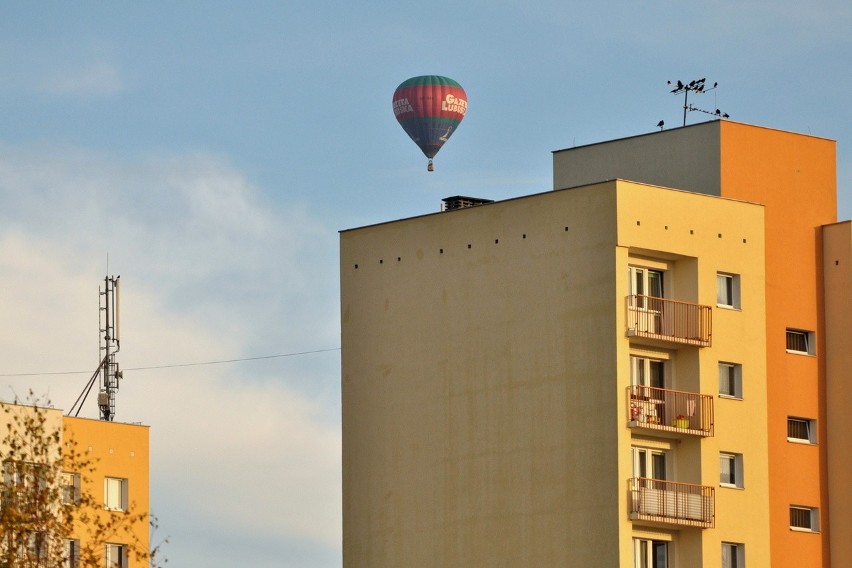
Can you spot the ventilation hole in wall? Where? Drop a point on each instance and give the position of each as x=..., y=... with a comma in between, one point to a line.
x=381, y=261
x=638, y=223
x=566, y=228
x=398, y=259
x=667, y=227
x=524, y=235
x=356, y=267
x=496, y=241
x=720, y=235
x=468, y=245
x=691, y=232
x=836, y=263
x=441, y=251
x=744, y=240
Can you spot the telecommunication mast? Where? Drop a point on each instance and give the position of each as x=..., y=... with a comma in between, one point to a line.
x=109, y=344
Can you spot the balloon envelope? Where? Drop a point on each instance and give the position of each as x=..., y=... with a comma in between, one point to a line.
x=429, y=108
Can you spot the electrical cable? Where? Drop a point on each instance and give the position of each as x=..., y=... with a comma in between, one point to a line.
x=175, y=365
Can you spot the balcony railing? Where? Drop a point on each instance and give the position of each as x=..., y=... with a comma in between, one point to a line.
x=670, y=410
x=669, y=502
x=669, y=320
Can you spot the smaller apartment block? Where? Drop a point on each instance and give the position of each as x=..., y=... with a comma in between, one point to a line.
x=117, y=482
x=614, y=373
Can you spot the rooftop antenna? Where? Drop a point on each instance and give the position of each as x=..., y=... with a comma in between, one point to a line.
x=109, y=344
x=698, y=87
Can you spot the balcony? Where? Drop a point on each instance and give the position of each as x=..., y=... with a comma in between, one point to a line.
x=671, y=503
x=669, y=321
x=669, y=411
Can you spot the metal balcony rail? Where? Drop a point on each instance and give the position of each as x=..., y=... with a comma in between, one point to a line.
x=669, y=320
x=670, y=502
x=670, y=410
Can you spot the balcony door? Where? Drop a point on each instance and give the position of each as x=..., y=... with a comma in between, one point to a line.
x=649, y=463
x=647, y=400
x=649, y=553
x=647, y=372
x=645, y=281
x=646, y=284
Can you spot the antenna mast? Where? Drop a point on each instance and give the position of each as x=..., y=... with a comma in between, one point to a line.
x=109, y=345
x=697, y=87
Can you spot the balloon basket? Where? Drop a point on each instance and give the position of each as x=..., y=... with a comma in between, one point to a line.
x=430, y=167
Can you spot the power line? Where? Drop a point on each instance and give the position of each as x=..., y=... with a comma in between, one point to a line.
x=175, y=365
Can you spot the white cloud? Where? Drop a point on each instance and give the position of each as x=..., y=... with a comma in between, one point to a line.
x=97, y=79
x=210, y=270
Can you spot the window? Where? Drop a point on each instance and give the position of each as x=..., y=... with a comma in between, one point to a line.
x=649, y=553
x=728, y=290
x=70, y=488
x=24, y=475
x=730, y=380
x=647, y=372
x=800, y=341
x=733, y=555
x=645, y=282
x=115, y=494
x=33, y=549
x=731, y=470
x=801, y=430
x=804, y=519
x=116, y=556
x=649, y=463
x=72, y=554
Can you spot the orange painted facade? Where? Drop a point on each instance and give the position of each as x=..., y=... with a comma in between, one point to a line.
x=794, y=177
x=119, y=451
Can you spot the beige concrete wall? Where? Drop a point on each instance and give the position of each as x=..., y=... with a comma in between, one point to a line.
x=681, y=158
x=837, y=274
x=485, y=368
x=696, y=236
x=479, y=386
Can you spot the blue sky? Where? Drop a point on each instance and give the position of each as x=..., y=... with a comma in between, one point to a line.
x=211, y=151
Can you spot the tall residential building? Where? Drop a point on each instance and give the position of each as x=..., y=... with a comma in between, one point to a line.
x=631, y=370
x=115, y=456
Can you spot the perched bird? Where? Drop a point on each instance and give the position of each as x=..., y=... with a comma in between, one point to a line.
x=718, y=112
x=726, y=115
x=660, y=124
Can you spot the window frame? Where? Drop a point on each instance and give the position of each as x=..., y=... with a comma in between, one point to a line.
x=812, y=515
x=735, y=557
x=810, y=424
x=731, y=298
x=70, y=492
x=734, y=463
x=72, y=553
x=809, y=340
x=650, y=548
x=734, y=376
x=122, y=497
x=121, y=550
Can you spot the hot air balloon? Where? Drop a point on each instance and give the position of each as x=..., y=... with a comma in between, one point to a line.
x=429, y=108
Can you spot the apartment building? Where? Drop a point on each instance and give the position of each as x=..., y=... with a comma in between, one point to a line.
x=630, y=370
x=119, y=454
x=111, y=491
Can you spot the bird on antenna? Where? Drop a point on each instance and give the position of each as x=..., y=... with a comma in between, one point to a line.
x=696, y=86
